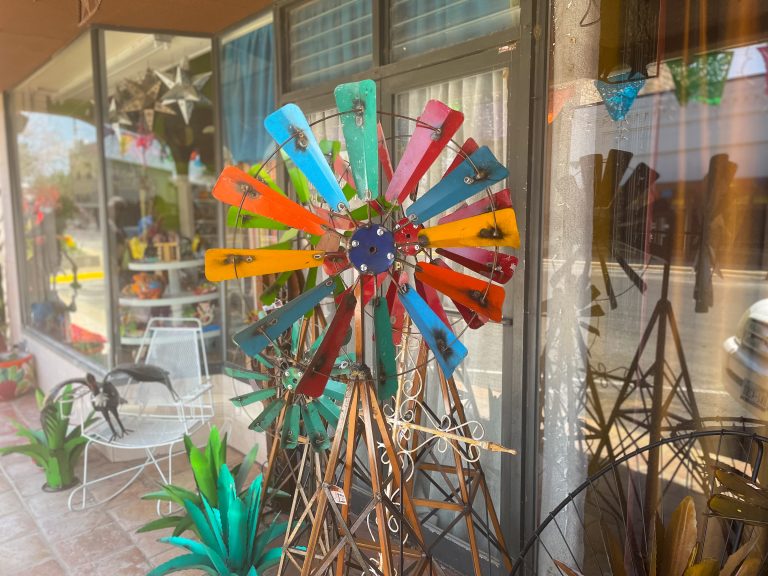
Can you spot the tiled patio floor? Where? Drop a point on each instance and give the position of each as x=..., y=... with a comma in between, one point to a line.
x=40, y=536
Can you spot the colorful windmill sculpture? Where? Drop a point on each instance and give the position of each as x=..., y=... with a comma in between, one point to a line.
x=375, y=249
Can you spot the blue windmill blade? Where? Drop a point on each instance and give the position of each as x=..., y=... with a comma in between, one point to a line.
x=357, y=103
x=446, y=347
x=473, y=175
x=256, y=337
x=288, y=125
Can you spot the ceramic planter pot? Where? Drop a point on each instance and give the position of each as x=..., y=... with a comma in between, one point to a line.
x=17, y=375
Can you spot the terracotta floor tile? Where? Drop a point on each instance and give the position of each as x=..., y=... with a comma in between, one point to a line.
x=47, y=568
x=5, y=484
x=69, y=524
x=129, y=562
x=22, y=553
x=15, y=525
x=134, y=513
x=48, y=503
x=81, y=551
x=148, y=542
x=27, y=477
x=10, y=503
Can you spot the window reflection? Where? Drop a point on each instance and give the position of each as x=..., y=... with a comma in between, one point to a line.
x=54, y=117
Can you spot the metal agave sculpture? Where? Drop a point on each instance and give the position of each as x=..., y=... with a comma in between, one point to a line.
x=381, y=252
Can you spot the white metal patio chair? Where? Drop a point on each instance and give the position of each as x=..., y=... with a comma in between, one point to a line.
x=155, y=421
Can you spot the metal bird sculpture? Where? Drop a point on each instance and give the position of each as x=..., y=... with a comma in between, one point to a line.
x=105, y=397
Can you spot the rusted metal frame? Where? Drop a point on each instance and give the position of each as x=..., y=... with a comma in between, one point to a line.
x=322, y=499
x=461, y=478
x=347, y=534
x=376, y=485
x=351, y=448
x=291, y=534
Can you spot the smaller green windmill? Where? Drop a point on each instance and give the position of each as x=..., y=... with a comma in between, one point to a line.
x=281, y=367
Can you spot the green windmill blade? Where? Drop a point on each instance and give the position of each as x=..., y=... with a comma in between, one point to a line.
x=267, y=416
x=314, y=427
x=289, y=437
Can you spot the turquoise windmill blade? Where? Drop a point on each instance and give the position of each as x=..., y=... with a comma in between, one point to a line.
x=289, y=127
x=356, y=102
x=386, y=358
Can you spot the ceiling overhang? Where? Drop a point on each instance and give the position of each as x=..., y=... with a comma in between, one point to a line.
x=31, y=31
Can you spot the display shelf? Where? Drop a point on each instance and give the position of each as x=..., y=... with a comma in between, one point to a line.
x=136, y=340
x=177, y=300
x=160, y=265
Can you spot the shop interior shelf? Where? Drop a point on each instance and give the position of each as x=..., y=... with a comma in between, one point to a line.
x=171, y=300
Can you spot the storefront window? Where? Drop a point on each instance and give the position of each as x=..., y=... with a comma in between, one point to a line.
x=654, y=255
x=248, y=89
x=62, y=269
x=482, y=98
x=159, y=151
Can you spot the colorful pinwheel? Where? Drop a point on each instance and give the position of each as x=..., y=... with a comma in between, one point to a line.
x=379, y=251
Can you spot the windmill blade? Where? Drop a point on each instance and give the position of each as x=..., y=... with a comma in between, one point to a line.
x=472, y=318
x=491, y=229
x=313, y=381
x=289, y=435
x=327, y=410
x=497, y=201
x=314, y=427
x=497, y=266
x=246, y=374
x=255, y=396
x=253, y=339
x=448, y=350
x=385, y=351
x=357, y=103
x=467, y=149
x=237, y=218
x=432, y=298
x=235, y=188
x=475, y=174
x=230, y=263
x=396, y=309
x=423, y=148
x=384, y=158
x=335, y=390
x=478, y=295
x=289, y=127
x=266, y=417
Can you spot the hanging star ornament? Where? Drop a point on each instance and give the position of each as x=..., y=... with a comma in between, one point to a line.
x=185, y=90
x=143, y=98
x=116, y=116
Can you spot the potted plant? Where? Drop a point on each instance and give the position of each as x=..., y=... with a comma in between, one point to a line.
x=54, y=447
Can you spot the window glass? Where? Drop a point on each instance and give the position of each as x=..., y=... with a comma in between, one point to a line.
x=482, y=98
x=654, y=254
x=160, y=169
x=247, y=76
x=422, y=26
x=63, y=264
x=328, y=39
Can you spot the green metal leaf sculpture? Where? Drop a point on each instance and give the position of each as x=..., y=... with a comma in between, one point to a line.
x=739, y=498
x=54, y=447
x=230, y=540
x=205, y=465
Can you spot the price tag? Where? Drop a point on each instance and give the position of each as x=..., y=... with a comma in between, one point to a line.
x=338, y=495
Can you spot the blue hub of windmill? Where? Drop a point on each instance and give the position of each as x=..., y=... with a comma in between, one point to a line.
x=372, y=249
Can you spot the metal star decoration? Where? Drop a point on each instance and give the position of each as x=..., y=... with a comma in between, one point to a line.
x=116, y=115
x=144, y=99
x=184, y=90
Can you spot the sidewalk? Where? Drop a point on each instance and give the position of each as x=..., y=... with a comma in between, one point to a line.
x=39, y=535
